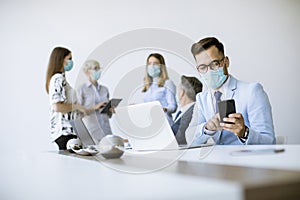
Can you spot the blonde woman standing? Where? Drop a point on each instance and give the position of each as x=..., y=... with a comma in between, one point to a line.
x=158, y=86
x=95, y=95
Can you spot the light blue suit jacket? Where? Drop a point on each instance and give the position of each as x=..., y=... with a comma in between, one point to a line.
x=250, y=100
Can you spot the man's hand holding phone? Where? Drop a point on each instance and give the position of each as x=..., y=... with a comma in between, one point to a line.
x=230, y=120
x=234, y=123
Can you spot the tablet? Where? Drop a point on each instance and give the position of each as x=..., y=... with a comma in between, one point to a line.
x=111, y=103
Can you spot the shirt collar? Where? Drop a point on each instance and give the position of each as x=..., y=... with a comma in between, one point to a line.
x=89, y=84
x=155, y=79
x=186, y=107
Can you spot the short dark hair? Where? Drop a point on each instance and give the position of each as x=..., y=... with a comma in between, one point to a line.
x=192, y=86
x=205, y=44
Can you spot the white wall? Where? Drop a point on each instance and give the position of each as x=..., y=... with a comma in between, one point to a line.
x=261, y=38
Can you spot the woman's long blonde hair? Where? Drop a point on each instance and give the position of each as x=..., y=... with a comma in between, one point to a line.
x=163, y=74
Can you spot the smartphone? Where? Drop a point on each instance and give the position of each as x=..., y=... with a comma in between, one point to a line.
x=226, y=107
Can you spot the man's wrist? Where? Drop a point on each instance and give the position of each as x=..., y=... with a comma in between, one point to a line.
x=246, y=133
x=208, y=132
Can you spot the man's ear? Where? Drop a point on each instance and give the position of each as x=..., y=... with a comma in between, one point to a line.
x=182, y=92
x=226, y=61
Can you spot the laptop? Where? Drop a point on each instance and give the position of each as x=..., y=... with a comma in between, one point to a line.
x=147, y=128
x=82, y=132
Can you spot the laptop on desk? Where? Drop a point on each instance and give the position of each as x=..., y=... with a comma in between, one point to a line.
x=147, y=128
x=82, y=132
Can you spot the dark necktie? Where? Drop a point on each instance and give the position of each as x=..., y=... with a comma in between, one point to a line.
x=177, y=115
x=176, y=124
x=218, y=98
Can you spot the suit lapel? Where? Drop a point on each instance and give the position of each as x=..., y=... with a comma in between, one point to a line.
x=231, y=87
x=176, y=126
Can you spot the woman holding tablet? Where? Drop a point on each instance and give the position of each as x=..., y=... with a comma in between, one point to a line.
x=95, y=95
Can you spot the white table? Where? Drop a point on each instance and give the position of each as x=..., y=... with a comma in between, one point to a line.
x=287, y=160
x=53, y=175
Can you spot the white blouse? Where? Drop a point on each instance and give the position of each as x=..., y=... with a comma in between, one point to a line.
x=60, y=91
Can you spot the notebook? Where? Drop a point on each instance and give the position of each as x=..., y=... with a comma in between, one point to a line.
x=146, y=128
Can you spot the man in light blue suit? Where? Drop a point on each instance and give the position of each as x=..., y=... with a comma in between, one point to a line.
x=251, y=124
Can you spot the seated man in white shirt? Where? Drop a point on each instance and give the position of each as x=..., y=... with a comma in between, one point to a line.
x=187, y=90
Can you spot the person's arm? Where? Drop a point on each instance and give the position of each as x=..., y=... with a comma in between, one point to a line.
x=195, y=132
x=66, y=107
x=81, y=100
x=256, y=127
x=261, y=129
x=58, y=96
x=80, y=95
x=112, y=109
x=170, y=97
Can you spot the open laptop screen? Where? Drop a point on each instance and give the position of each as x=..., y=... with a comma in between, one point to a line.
x=82, y=132
x=145, y=126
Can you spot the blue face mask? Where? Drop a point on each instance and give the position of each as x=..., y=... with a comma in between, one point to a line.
x=214, y=78
x=95, y=75
x=69, y=65
x=153, y=70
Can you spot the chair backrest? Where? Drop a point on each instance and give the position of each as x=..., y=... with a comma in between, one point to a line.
x=280, y=139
